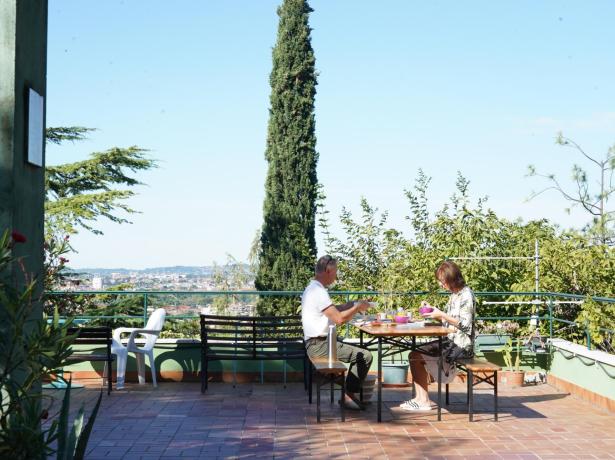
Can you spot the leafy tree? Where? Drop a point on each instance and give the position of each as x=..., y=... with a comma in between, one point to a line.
x=464, y=230
x=594, y=199
x=367, y=249
x=62, y=134
x=78, y=194
x=288, y=244
x=232, y=276
x=115, y=305
x=56, y=273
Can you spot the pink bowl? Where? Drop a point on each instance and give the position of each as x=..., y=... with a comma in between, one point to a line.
x=425, y=310
x=401, y=319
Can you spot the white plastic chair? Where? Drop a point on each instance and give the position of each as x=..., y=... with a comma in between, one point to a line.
x=151, y=332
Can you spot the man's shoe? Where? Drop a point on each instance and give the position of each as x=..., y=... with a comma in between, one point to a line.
x=350, y=404
x=351, y=399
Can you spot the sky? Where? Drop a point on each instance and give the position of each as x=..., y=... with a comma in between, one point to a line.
x=479, y=87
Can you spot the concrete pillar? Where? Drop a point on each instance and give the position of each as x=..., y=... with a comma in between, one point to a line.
x=23, y=65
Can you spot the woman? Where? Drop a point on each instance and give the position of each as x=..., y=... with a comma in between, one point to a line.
x=459, y=319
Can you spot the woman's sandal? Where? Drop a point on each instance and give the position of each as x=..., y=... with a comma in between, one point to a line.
x=413, y=406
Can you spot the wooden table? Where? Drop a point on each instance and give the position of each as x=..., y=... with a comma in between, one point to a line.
x=403, y=338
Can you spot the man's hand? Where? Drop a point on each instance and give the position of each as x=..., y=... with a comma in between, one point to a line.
x=362, y=305
x=344, y=313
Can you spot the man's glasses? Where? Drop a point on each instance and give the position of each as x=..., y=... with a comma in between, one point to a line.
x=329, y=260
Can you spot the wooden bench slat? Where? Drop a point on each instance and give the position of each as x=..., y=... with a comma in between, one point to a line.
x=479, y=365
x=239, y=323
x=88, y=341
x=249, y=338
x=250, y=318
x=323, y=366
x=88, y=336
x=75, y=357
x=248, y=335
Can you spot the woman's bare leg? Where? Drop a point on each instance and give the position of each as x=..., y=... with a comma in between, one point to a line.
x=420, y=377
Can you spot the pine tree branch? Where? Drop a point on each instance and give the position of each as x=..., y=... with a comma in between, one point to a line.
x=66, y=133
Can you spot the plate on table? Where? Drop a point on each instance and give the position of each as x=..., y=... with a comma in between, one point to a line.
x=364, y=318
x=412, y=325
x=431, y=323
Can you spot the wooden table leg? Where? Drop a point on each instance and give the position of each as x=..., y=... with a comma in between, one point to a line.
x=379, y=379
x=440, y=379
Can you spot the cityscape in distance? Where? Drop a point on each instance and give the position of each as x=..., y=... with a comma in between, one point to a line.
x=175, y=278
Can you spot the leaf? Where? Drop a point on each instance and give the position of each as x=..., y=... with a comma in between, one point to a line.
x=63, y=424
x=85, y=434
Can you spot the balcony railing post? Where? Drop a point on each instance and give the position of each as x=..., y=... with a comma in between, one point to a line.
x=348, y=323
x=588, y=335
x=550, y=317
x=144, y=309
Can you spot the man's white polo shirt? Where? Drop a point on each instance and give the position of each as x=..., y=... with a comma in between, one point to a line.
x=314, y=301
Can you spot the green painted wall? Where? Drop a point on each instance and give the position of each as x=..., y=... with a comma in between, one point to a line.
x=186, y=357
x=176, y=357
x=532, y=362
x=23, y=65
x=584, y=372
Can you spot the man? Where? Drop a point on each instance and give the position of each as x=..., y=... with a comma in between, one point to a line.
x=318, y=312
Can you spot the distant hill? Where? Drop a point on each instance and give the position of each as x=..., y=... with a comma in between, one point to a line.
x=178, y=269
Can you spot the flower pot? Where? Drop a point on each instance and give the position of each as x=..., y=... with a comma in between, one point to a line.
x=369, y=384
x=395, y=374
x=511, y=379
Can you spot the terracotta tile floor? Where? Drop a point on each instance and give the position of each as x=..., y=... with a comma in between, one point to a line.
x=267, y=421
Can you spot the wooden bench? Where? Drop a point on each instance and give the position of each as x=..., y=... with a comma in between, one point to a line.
x=478, y=371
x=94, y=336
x=329, y=373
x=238, y=338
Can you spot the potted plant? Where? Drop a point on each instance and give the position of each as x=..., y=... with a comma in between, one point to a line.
x=512, y=377
x=32, y=350
x=492, y=336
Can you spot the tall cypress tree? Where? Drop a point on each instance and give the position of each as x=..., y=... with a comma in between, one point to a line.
x=288, y=244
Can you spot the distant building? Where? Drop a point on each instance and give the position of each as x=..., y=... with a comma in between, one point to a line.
x=97, y=283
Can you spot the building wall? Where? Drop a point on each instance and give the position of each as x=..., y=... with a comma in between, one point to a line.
x=23, y=65
x=590, y=371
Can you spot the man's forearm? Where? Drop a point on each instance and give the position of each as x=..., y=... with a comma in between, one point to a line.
x=345, y=306
x=349, y=312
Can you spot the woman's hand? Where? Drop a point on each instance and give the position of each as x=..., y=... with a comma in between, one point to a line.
x=435, y=314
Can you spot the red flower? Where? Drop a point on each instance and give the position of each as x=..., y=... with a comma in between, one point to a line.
x=18, y=237
x=63, y=260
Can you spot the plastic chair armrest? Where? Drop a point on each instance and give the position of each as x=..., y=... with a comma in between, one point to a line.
x=136, y=332
x=117, y=333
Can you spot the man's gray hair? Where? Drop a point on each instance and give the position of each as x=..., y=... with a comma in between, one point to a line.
x=323, y=263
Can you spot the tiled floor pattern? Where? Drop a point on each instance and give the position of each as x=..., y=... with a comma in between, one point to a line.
x=267, y=421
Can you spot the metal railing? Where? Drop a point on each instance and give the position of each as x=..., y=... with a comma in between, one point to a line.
x=542, y=304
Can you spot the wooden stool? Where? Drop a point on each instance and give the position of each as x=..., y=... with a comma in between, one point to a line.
x=487, y=372
x=331, y=373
